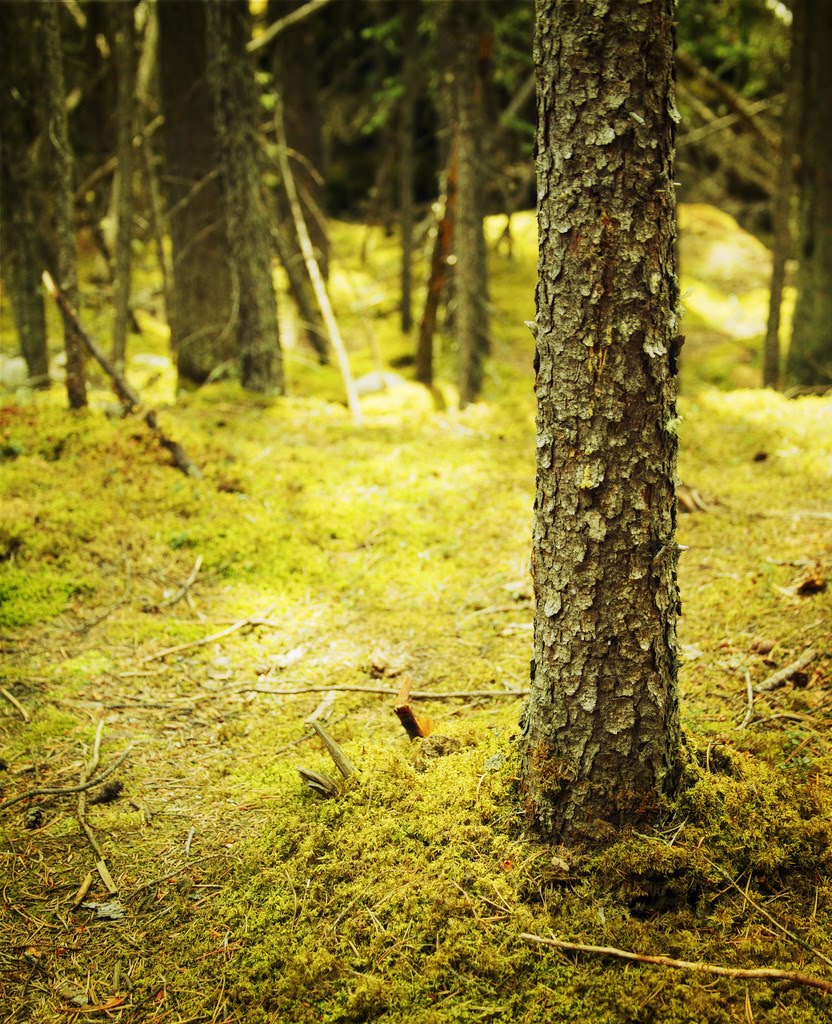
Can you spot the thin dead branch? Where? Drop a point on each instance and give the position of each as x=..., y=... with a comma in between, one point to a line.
x=126, y=394
x=757, y=973
x=732, y=100
x=241, y=624
x=416, y=695
x=81, y=808
x=749, y=714
x=283, y=23
x=762, y=910
x=314, y=271
x=30, y=794
x=186, y=586
x=778, y=679
x=15, y=703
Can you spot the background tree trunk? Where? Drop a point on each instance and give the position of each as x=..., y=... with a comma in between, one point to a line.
x=200, y=310
x=232, y=87
x=409, y=13
x=296, y=77
x=124, y=37
x=60, y=163
x=601, y=728
x=470, y=276
x=19, y=180
x=810, y=353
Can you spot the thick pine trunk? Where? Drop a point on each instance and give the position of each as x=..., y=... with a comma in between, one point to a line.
x=60, y=162
x=601, y=729
x=232, y=87
x=810, y=354
x=200, y=308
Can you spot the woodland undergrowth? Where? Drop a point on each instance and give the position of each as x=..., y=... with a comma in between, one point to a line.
x=193, y=626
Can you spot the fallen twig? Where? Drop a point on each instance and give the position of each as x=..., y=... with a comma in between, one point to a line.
x=749, y=714
x=416, y=694
x=241, y=624
x=15, y=703
x=81, y=809
x=778, y=679
x=770, y=917
x=127, y=395
x=342, y=762
x=687, y=965
x=30, y=794
x=186, y=586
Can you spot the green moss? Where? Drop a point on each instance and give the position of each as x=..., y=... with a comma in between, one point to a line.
x=362, y=554
x=27, y=598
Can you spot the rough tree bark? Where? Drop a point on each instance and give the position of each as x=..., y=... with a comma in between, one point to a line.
x=200, y=307
x=601, y=735
x=60, y=164
x=810, y=353
x=234, y=98
x=19, y=182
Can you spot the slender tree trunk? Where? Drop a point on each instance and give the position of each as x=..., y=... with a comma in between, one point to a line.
x=810, y=354
x=19, y=182
x=60, y=163
x=124, y=36
x=470, y=276
x=200, y=311
x=601, y=734
x=782, y=225
x=232, y=86
x=410, y=25
x=296, y=77
x=442, y=244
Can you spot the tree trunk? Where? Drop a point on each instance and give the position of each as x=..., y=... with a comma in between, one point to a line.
x=60, y=163
x=470, y=276
x=234, y=98
x=19, y=181
x=782, y=205
x=296, y=77
x=124, y=37
x=810, y=354
x=200, y=310
x=410, y=25
x=438, y=271
x=601, y=726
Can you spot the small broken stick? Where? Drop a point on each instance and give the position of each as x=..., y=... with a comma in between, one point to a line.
x=414, y=726
x=320, y=782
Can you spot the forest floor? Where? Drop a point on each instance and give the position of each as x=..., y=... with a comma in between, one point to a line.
x=167, y=640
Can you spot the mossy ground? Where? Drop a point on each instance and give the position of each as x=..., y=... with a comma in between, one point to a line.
x=355, y=555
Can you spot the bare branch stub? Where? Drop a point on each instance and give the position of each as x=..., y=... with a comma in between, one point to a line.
x=414, y=726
